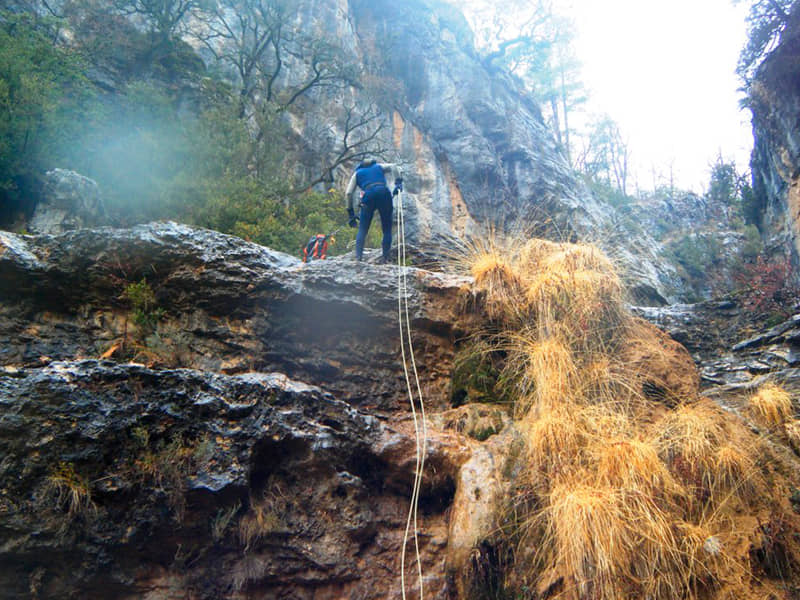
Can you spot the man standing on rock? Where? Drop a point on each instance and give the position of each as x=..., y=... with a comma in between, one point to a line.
x=370, y=178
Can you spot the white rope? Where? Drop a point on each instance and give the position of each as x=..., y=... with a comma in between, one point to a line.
x=405, y=337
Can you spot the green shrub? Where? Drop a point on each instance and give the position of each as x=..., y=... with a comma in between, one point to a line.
x=43, y=97
x=143, y=305
x=476, y=376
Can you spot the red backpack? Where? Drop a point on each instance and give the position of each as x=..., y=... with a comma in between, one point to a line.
x=316, y=248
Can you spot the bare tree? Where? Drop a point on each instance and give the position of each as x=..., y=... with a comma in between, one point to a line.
x=531, y=40
x=360, y=138
x=164, y=17
x=605, y=155
x=256, y=38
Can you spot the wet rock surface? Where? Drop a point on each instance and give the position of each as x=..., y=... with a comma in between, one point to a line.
x=224, y=305
x=168, y=464
x=279, y=465
x=731, y=347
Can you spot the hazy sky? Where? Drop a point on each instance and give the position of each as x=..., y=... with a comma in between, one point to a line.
x=664, y=70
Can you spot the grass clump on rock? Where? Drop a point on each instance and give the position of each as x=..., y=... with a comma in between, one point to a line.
x=771, y=406
x=630, y=485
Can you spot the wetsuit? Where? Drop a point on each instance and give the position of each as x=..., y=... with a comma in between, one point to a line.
x=370, y=178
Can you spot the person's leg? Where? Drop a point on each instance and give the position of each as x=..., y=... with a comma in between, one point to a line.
x=385, y=211
x=364, y=221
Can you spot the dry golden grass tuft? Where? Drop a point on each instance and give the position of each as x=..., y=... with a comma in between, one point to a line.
x=711, y=453
x=588, y=303
x=533, y=252
x=69, y=491
x=707, y=555
x=611, y=543
x=260, y=521
x=604, y=421
x=601, y=380
x=488, y=262
x=544, y=369
x=735, y=472
x=688, y=439
x=633, y=487
x=633, y=465
x=554, y=441
x=771, y=406
x=495, y=277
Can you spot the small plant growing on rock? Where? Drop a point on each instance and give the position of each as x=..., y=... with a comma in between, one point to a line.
x=259, y=522
x=475, y=375
x=221, y=522
x=69, y=491
x=146, y=314
x=164, y=466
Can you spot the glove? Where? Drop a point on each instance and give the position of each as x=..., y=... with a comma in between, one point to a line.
x=398, y=186
x=353, y=222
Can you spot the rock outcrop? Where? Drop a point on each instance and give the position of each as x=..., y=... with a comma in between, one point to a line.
x=71, y=201
x=224, y=305
x=735, y=351
x=278, y=462
x=775, y=102
x=177, y=483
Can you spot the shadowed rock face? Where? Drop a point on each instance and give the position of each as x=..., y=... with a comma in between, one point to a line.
x=171, y=462
x=774, y=99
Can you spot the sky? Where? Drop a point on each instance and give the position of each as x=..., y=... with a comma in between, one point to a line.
x=664, y=71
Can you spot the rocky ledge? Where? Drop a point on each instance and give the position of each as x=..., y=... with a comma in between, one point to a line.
x=188, y=415
x=122, y=481
x=734, y=350
x=221, y=304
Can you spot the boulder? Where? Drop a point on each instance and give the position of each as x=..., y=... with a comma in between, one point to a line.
x=222, y=304
x=70, y=201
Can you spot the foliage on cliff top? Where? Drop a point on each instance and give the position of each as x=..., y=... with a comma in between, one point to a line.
x=765, y=23
x=165, y=139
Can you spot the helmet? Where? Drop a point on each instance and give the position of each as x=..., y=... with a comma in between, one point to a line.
x=367, y=162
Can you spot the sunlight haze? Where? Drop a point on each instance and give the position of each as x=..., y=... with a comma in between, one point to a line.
x=665, y=72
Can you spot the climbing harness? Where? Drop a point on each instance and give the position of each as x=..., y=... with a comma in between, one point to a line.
x=420, y=431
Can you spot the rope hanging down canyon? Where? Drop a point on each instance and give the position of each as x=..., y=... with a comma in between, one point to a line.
x=420, y=431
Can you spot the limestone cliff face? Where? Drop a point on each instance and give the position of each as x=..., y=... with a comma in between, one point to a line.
x=475, y=149
x=775, y=102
